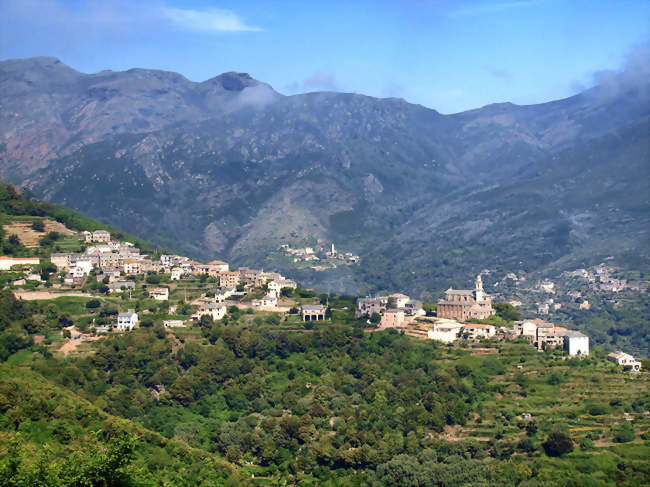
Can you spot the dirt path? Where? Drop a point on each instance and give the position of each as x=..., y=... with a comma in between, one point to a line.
x=72, y=344
x=33, y=295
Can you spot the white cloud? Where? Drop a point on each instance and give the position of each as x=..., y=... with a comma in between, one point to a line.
x=208, y=20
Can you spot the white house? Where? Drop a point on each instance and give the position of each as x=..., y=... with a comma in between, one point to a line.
x=216, y=266
x=479, y=330
x=276, y=286
x=159, y=294
x=576, y=343
x=268, y=301
x=177, y=272
x=216, y=310
x=445, y=331
x=7, y=262
x=398, y=300
x=83, y=267
x=173, y=324
x=126, y=321
x=527, y=329
x=625, y=359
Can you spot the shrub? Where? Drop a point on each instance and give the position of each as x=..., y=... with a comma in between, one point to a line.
x=624, y=433
x=557, y=444
x=597, y=409
x=93, y=303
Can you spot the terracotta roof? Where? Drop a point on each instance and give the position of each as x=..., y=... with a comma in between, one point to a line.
x=478, y=325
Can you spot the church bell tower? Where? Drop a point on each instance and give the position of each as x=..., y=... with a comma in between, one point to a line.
x=478, y=292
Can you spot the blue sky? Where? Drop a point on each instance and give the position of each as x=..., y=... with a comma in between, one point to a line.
x=447, y=55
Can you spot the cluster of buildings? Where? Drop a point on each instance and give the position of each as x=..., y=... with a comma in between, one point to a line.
x=458, y=307
x=396, y=310
x=599, y=278
x=111, y=257
x=542, y=334
x=309, y=254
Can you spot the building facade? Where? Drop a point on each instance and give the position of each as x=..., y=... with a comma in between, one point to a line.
x=463, y=305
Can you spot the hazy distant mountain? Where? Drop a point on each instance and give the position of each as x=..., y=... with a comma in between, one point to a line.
x=230, y=168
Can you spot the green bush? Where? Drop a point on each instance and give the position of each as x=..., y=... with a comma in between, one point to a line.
x=557, y=444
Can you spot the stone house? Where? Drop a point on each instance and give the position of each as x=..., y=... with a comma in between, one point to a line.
x=228, y=279
x=369, y=306
x=119, y=286
x=312, y=312
x=392, y=318
x=132, y=267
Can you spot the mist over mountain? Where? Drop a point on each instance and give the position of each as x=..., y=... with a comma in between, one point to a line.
x=230, y=168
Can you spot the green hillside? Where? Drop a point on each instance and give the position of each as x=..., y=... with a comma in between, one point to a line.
x=50, y=436
x=18, y=207
x=325, y=405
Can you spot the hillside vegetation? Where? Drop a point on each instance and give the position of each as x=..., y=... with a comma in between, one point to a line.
x=329, y=405
x=31, y=227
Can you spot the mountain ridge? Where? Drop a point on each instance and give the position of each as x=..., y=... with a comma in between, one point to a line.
x=242, y=174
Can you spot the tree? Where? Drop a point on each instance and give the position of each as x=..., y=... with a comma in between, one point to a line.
x=624, y=433
x=507, y=312
x=93, y=303
x=557, y=444
x=38, y=225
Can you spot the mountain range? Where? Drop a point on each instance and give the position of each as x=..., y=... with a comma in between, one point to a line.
x=229, y=168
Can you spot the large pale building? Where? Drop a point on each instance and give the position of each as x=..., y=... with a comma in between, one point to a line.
x=463, y=305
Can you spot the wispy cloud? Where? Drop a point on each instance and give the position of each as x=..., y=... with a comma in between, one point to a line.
x=498, y=72
x=475, y=9
x=208, y=20
x=318, y=81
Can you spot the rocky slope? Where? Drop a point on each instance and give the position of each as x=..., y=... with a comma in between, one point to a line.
x=230, y=168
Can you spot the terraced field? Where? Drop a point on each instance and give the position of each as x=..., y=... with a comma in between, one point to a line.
x=595, y=401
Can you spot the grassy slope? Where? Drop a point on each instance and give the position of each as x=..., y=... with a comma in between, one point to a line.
x=41, y=413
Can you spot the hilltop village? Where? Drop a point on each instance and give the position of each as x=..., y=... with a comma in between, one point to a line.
x=191, y=291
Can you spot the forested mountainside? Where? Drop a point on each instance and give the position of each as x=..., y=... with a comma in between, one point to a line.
x=236, y=170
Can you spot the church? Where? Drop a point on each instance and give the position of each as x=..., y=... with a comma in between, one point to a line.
x=465, y=304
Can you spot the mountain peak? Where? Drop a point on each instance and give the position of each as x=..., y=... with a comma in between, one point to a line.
x=233, y=81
